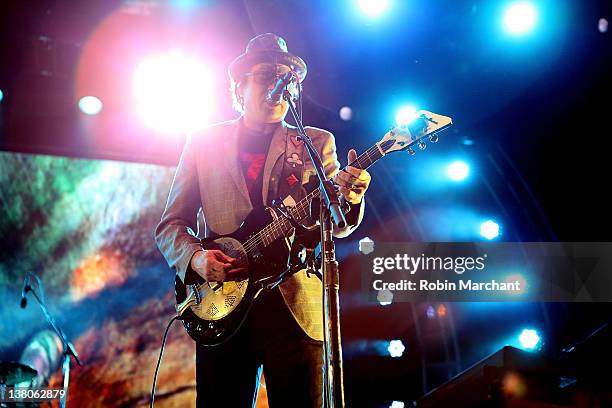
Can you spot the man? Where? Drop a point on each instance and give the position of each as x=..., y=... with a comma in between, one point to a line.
x=224, y=172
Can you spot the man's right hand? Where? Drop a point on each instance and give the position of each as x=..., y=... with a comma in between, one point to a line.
x=214, y=266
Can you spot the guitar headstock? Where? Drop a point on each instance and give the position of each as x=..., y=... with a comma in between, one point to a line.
x=425, y=125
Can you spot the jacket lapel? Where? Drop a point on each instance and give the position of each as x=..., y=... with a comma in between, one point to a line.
x=277, y=148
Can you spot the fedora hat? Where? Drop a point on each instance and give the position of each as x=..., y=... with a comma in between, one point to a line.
x=266, y=48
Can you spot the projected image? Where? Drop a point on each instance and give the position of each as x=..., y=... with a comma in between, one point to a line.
x=85, y=228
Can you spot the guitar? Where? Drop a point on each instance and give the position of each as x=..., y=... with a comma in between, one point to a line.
x=212, y=312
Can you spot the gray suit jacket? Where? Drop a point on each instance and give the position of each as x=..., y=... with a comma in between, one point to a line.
x=209, y=179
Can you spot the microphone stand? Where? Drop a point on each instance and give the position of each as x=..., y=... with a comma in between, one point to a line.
x=68, y=348
x=333, y=386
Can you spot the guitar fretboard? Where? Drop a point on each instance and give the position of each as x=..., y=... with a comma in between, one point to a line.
x=281, y=227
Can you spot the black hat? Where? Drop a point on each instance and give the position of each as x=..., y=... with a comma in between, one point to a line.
x=267, y=48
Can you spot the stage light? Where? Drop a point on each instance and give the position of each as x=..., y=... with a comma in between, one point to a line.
x=602, y=25
x=458, y=171
x=186, y=4
x=467, y=141
x=406, y=115
x=1, y=95
x=346, y=113
x=90, y=105
x=442, y=311
x=397, y=404
x=373, y=8
x=384, y=297
x=431, y=312
x=366, y=245
x=520, y=18
x=513, y=385
x=517, y=277
x=529, y=339
x=396, y=348
x=173, y=93
x=489, y=229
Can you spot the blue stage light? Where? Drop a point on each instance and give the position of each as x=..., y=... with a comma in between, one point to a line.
x=529, y=339
x=396, y=348
x=373, y=8
x=489, y=229
x=90, y=105
x=520, y=18
x=1, y=95
x=397, y=404
x=458, y=171
x=186, y=4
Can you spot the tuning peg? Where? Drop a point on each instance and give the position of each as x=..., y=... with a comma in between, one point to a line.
x=410, y=151
x=433, y=138
x=422, y=145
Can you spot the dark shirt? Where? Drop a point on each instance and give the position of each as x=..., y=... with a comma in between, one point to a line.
x=253, y=149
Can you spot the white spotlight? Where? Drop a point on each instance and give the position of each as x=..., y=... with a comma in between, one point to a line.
x=396, y=348
x=384, y=297
x=529, y=339
x=602, y=25
x=520, y=18
x=173, y=93
x=90, y=105
x=373, y=8
x=406, y=115
x=458, y=171
x=489, y=229
x=346, y=113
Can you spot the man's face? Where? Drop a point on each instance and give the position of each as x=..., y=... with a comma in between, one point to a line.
x=259, y=81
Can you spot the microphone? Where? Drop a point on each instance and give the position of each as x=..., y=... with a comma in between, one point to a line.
x=26, y=288
x=275, y=95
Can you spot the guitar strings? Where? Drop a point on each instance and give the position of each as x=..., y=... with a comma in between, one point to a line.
x=272, y=228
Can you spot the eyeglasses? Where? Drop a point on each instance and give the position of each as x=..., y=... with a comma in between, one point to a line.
x=266, y=77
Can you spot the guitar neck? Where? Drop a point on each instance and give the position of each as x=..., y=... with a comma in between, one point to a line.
x=397, y=139
x=280, y=227
x=364, y=161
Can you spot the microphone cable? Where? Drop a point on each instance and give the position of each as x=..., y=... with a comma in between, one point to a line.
x=161, y=353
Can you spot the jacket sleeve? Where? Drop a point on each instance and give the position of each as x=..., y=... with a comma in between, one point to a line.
x=332, y=167
x=176, y=233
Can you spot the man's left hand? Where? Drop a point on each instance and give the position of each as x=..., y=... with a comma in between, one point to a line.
x=353, y=182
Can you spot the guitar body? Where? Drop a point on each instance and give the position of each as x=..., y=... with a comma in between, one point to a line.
x=212, y=312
